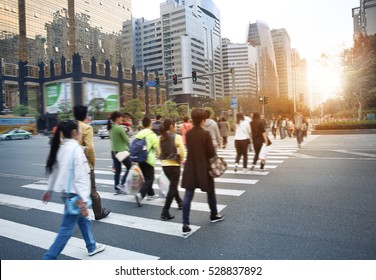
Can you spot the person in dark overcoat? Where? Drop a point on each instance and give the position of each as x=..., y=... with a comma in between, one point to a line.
x=196, y=171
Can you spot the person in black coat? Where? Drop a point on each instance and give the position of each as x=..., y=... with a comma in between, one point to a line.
x=196, y=171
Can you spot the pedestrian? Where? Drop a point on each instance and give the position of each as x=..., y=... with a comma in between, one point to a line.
x=212, y=127
x=68, y=167
x=196, y=170
x=290, y=127
x=274, y=126
x=171, y=154
x=156, y=124
x=299, y=127
x=127, y=124
x=224, y=131
x=185, y=127
x=86, y=140
x=147, y=167
x=242, y=140
x=282, y=127
x=119, y=143
x=258, y=138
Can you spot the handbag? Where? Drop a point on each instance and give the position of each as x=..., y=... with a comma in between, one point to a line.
x=264, y=152
x=122, y=155
x=73, y=202
x=218, y=166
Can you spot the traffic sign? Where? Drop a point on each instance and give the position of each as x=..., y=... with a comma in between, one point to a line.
x=234, y=102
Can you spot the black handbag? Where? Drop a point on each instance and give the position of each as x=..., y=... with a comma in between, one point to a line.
x=218, y=166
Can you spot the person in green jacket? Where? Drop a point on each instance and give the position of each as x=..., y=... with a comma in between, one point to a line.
x=119, y=143
x=147, y=167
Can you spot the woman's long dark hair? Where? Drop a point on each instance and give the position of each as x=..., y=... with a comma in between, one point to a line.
x=66, y=129
x=165, y=127
x=256, y=117
x=112, y=119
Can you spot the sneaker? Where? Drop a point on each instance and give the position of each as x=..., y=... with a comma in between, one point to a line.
x=138, y=198
x=216, y=218
x=118, y=192
x=113, y=170
x=245, y=170
x=252, y=167
x=165, y=215
x=99, y=248
x=104, y=214
x=186, y=230
x=299, y=146
x=236, y=168
x=151, y=197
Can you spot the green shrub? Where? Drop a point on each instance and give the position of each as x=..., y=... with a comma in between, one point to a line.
x=346, y=125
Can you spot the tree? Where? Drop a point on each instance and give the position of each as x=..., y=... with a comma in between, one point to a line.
x=135, y=108
x=20, y=110
x=359, y=68
x=248, y=104
x=280, y=106
x=167, y=110
x=221, y=105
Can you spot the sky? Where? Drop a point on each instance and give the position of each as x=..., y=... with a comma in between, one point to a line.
x=314, y=26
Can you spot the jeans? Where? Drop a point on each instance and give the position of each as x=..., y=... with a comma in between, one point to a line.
x=173, y=174
x=212, y=201
x=241, y=147
x=65, y=233
x=117, y=164
x=96, y=199
x=148, y=172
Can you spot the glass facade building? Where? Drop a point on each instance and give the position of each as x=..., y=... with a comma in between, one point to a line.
x=54, y=28
x=259, y=35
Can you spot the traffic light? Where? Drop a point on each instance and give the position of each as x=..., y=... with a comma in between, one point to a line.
x=157, y=82
x=261, y=100
x=194, y=76
x=175, y=79
x=141, y=84
x=266, y=100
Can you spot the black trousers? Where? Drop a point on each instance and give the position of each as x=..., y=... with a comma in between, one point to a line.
x=241, y=147
x=148, y=172
x=257, y=145
x=173, y=174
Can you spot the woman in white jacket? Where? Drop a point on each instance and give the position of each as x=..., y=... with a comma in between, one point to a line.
x=242, y=140
x=68, y=169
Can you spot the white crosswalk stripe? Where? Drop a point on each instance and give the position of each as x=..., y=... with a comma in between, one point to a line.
x=228, y=188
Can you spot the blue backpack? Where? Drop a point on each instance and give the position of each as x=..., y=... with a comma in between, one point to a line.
x=139, y=152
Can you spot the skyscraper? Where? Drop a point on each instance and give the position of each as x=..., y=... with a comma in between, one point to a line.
x=364, y=17
x=282, y=49
x=37, y=31
x=259, y=35
x=243, y=58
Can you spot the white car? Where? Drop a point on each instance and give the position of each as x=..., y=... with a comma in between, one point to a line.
x=103, y=132
x=15, y=134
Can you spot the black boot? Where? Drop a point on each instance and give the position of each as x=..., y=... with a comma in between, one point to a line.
x=180, y=204
x=165, y=215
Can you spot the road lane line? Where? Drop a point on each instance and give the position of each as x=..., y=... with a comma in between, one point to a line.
x=157, y=226
x=75, y=247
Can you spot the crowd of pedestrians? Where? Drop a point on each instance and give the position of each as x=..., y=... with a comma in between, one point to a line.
x=71, y=161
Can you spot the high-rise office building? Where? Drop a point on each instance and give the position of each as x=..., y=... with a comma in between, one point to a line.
x=364, y=18
x=186, y=38
x=282, y=50
x=259, y=35
x=37, y=31
x=244, y=59
x=300, y=91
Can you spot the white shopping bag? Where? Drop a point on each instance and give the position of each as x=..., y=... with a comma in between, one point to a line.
x=264, y=152
x=135, y=180
x=164, y=185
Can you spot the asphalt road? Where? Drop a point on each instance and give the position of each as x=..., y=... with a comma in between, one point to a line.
x=317, y=202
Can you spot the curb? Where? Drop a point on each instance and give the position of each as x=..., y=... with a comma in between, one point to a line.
x=343, y=131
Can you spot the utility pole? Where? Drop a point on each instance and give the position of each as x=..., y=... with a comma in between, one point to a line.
x=233, y=91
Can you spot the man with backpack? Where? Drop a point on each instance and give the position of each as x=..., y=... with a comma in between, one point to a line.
x=144, y=152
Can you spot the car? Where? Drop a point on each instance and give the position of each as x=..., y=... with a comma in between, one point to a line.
x=103, y=132
x=15, y=134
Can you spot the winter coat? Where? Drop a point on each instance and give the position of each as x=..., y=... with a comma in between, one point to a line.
x=224, y=129
x=196, y=171
x=213, y=129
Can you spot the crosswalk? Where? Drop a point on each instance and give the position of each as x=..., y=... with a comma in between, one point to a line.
x=229, y=187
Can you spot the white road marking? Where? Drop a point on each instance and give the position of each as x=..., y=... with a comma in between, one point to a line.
x=355, y=153
x=195, y=206
x=158, y=226
x=75, y=247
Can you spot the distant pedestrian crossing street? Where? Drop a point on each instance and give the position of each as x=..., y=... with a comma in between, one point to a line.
x=229, y=188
